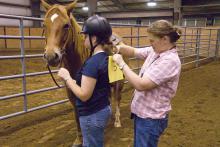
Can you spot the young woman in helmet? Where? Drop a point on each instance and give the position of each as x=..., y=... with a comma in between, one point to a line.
x=91, y=84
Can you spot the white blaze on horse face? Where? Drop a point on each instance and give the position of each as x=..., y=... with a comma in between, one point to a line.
x=53, y=17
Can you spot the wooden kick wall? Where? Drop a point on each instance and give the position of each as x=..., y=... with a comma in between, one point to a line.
x=190, y=40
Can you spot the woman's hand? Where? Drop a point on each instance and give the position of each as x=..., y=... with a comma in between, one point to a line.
x=116, y=49
x=64, y=74
x=119, y=60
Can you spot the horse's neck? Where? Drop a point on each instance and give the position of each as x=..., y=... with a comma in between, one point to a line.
x=76, y=54
x=72, y=60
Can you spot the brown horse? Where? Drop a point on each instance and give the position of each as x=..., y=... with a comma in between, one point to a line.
x=65, y=45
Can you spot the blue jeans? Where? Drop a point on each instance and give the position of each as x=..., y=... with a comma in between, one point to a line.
x=147, y=131
x=93, y=126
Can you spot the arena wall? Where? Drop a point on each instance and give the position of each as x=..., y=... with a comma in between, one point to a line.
x=192, y=38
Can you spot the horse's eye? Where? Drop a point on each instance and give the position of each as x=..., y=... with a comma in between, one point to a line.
x=66, y=26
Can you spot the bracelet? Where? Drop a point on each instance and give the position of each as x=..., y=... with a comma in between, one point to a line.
x=121, y=67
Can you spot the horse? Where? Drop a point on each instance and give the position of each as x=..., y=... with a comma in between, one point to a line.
x=65, y=46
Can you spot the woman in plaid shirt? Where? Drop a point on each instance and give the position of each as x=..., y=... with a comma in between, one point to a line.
x=156, y=83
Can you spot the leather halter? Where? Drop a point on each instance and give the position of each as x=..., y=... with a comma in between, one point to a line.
x=63, y=52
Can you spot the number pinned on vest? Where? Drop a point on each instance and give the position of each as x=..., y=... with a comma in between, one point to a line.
x=114, y=73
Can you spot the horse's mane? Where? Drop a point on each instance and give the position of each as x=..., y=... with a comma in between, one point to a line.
x=79, y=39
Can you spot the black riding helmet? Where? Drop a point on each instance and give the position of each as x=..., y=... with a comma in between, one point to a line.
x=97, y=26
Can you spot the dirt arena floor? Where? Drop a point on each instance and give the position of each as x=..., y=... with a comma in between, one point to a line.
x=193, y=122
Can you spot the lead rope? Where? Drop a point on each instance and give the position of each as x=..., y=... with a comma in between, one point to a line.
x=48, y=67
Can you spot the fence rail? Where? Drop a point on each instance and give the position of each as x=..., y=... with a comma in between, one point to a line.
x=194, y=39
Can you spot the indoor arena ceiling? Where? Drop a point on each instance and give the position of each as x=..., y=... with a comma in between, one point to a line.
x=120, y=5
x=189, y=7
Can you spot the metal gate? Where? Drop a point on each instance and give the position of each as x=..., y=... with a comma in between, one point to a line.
x=196, y=45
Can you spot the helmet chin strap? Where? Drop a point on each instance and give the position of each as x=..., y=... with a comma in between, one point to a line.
x=92, y=47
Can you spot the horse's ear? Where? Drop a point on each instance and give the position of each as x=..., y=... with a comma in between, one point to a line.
x=45, y=5
x=71, y=6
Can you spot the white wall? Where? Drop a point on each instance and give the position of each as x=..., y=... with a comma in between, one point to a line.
x=127, y=21
x=23, y=2
x=144, y=21
x=15, y=10
x=194, y=22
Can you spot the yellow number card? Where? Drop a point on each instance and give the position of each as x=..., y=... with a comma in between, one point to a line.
x=114, y=73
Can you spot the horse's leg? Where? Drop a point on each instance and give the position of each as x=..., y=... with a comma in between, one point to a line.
x=78, y=141
x=117, y=98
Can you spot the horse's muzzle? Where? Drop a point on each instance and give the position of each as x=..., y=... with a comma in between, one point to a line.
x=52, y=61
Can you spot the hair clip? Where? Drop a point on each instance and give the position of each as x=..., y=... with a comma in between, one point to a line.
x=178, y=33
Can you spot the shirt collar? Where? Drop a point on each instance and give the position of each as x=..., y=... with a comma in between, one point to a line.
x=173, y=50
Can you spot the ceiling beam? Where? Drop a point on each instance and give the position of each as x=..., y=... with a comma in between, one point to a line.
x=108, y=8
x=145, y=3
x=159, y=13
x=201, y=6
x=61, y=1
x=125, y=6
x=199, y=2
x=139, y=10
x=203, y=14
x=118, y=3
x=69, y=1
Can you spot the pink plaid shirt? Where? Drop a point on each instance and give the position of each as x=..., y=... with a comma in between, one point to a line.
x=164, y=70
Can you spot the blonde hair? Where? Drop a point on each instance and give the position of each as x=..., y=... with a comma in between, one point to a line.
x=163, y=28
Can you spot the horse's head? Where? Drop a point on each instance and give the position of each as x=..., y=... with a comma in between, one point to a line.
x=58, y=27
x=116, y=40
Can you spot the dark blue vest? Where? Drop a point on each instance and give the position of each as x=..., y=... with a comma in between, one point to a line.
x=96, y=67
